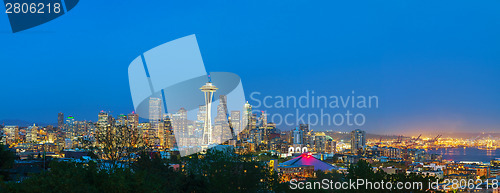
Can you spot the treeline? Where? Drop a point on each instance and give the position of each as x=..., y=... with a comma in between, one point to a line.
x=215, y=171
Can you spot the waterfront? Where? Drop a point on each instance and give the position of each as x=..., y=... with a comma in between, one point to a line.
x=466, y=154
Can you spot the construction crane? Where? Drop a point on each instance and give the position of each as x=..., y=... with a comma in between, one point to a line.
x=434, y=139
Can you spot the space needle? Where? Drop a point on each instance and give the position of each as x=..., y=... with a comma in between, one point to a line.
x=208, y=89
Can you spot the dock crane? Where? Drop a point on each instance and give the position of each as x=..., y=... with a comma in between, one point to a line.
x=434, y=139
x=414, y=141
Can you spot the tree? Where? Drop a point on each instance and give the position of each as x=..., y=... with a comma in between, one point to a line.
x=7, y=158
x=226, y=171
x=117, y=143
x=363, y=170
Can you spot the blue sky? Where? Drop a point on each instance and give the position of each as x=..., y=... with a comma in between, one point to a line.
x=434, y=65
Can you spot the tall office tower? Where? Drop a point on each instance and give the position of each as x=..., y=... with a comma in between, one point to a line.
x=111, y=120
x=221, y=131
x=103, y=120
x=144, y=130
x=79, y=128
x=133, y=120
x=307, y=139
x=287, y=136
x=169, y=132
x=32, y=134
x=11, y=134
x=122, y=120
x=179, y=124
x=270, y=132
x=320, y=141
x=253, y=121
x=60, y=120
x=235, y=122
x=247, y=114
x=256, y=135
x=155, y=116
x=200, y=118
x=245, y=123
x=202, y=110
x=87, y=128
x=70, y=127
x=358, y=141
x=297, y=136
x=331, y=146
x=208, y=89
x=304, y=127
x=263, y=119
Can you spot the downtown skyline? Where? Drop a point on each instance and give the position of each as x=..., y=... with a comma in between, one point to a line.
x=439, y=71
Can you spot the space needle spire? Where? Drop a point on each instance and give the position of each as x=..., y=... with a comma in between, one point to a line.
x=208, y=89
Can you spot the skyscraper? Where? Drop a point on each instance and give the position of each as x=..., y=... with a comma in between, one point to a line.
x=304, y=127
x=11, y=134
x=297, y=136
x=246, y=121
x=103, y=120
x=307, y=138
x=358, y=141
x=169, y=132
x=247, y=116
x=235, y=121
x=202, y=110
x=122, y=120
x=155, y=116
x=208, y=89
x=221, y=131
x=70, y=127
x=263, y=119
x=32, y=134
x=133, y=120
x=60, y=120
x=180, y=126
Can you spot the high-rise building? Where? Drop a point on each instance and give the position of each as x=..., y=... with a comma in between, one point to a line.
x=202, y=110
x=235, y=121
x=245, y=126
x=253, y=121
x=169, y=133
x=358, y=141
x=60, y=120
x=133, y=120
x=297, y=136
x=155, y=116
x=307, y=135
x=263, y=119
x=144, y=130
x=320, y=142
x=200, y=121
x=208, y=89
x=122, y=120
x=11, y=134
x=71, y=127
x=103, y=120
x=111, y=120
x=304, y=127
x=32, y=134
x=221, y=131
x=180, y=127
x=247, y=115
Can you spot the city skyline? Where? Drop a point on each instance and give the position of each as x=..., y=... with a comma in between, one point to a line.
x=250, y=96
x=437, y=71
